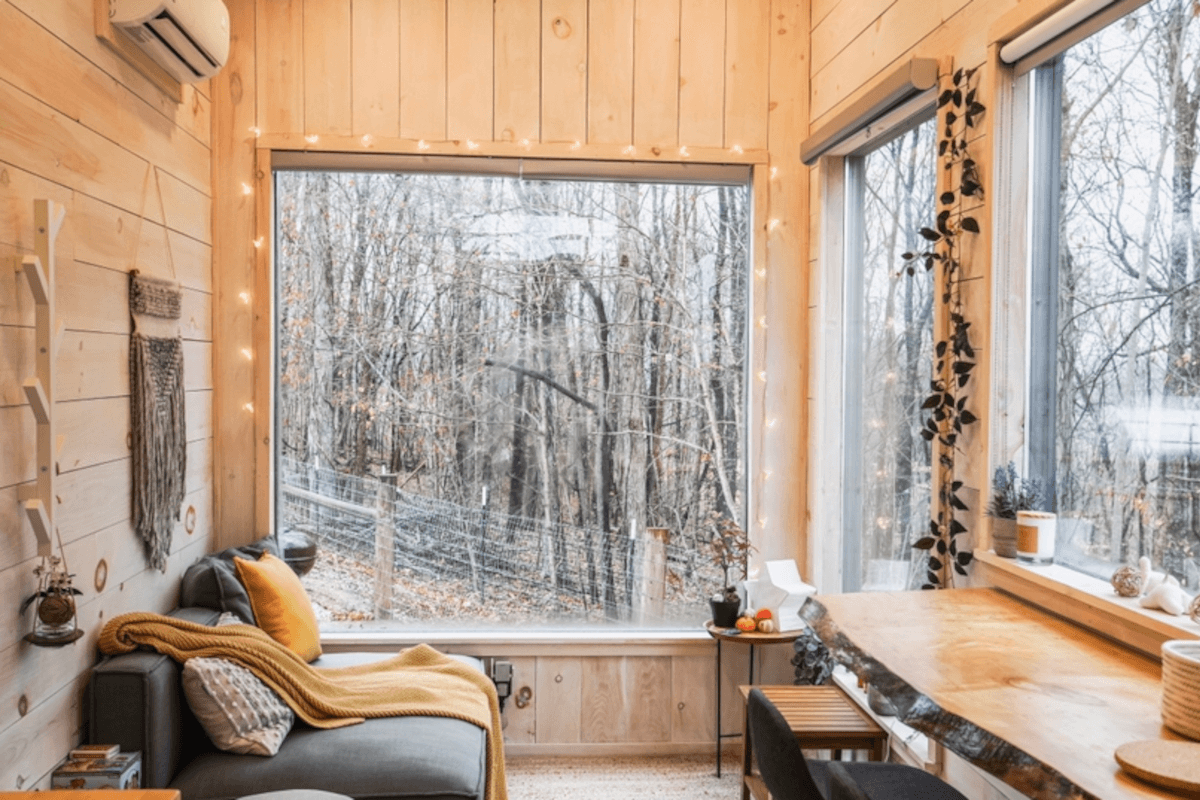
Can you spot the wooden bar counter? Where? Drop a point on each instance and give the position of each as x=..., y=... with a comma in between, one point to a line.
x=1038, y=702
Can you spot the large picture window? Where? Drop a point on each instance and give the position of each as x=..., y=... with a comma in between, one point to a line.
x=1114, y=414
x=888, y=352
x=504, y=400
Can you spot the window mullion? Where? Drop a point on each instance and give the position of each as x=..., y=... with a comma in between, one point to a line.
x=1045, y=211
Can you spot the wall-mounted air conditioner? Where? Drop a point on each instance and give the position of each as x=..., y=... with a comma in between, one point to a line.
x=187, y=38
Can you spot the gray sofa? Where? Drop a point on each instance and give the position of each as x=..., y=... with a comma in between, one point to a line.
x=136, y=700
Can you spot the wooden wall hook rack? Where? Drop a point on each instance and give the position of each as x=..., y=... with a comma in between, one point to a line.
x=39, y=269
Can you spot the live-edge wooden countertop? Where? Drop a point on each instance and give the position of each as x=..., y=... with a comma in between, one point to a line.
x=1035, y=700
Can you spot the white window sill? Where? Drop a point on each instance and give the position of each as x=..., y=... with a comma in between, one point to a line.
x=1084, y=600
x=525, y=641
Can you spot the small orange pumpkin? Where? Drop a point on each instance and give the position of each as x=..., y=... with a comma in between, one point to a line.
x=764, y=614
x=746, y=624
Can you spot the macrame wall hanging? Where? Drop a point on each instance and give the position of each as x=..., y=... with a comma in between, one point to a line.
x=156, y=405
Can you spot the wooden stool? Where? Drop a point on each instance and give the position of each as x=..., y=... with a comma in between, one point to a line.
x=823, y=718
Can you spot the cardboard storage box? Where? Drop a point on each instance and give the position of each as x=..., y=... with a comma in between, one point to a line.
x=123, y=771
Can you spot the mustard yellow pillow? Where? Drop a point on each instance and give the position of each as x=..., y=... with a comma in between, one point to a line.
x=280, y=604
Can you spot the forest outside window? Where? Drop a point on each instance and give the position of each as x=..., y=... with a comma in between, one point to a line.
x=497, y=395
x=887, y=356
x=1114, y=402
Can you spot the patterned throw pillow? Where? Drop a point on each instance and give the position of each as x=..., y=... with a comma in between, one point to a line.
x=239, y=712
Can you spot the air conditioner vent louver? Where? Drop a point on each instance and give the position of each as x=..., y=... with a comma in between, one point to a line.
x=188, y=38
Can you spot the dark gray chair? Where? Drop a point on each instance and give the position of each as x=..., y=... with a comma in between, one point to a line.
x=790, y=776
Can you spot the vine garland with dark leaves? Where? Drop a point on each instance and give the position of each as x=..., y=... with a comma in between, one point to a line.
x=960, y=110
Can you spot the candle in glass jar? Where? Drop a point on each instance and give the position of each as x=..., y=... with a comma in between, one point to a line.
x=1035, y=536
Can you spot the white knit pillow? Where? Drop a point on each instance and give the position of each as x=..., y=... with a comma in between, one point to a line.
x=239, y=712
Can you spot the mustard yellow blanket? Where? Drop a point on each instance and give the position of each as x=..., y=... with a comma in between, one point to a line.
x=417, y=681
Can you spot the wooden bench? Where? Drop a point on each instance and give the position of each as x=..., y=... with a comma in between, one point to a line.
x=823, y=718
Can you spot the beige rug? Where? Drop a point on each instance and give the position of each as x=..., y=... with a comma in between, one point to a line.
x=653, y=778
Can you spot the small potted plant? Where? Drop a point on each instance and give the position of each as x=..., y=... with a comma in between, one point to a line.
x=730, y=546
x=1010, y=494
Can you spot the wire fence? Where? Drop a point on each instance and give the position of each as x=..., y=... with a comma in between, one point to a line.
x=386, y=553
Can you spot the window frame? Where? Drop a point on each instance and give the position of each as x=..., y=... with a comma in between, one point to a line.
x=1072, y=594
x=746, y=169
x=840, y=178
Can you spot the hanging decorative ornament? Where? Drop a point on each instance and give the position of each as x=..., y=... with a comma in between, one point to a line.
x=54, y=621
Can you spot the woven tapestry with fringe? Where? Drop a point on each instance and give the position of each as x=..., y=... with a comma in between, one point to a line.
x=156, y=412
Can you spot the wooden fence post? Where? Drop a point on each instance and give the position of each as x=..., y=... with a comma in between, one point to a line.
x=652, y=575
x=385, y=544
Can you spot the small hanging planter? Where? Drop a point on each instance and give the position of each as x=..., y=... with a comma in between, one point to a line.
x=54, y=619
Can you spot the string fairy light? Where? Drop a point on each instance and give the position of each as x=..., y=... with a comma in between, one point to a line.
x=422, y=144
x=762, y=376
x=258, y=243
x=772, y=224
x=736, y=150
x=248, y=407
x=367, y=140
x=312, y=138
x=577, y=145
x=472, y=145
x=247, y=189
x=247, y=353
x=762, y=321
x=256, y=131
x=629, y=150
x=683, y=151
x=244, y=297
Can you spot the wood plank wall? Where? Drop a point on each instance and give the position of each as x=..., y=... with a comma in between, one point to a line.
x=612, y=79
x=856, y=42
x=81, y=127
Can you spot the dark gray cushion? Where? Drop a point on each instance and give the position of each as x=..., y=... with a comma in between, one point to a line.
x=212, y=582
x=877, y=781
x=134, y=700
x=406, y=758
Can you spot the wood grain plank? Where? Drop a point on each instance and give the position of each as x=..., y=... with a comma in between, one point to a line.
x=73, y=22
x=17, y=363
x=610, y=72
x=520, y=724
x=56, y=148
x=37, y=62
x=233, y=283
x=423, y=69
x=747, y=65
x=120, y=240
x=327, y=68
x=656, y=75
x=604, y=697
x=517, y=71
x=564, y=70
x=702, y=73
x=786, y=289
x=842, y=25
x=908, y=28
x=93, y=365
x=375, y=55
x=470, y=61
x=279, y=48
x=17, y=430
x=649, y=715
x=558, y=691
x=693, y=699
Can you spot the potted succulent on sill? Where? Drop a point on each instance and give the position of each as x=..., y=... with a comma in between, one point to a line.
x=730, y=546
x=1010, y=494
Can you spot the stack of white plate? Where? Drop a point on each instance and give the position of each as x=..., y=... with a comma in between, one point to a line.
x=1181, y=686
